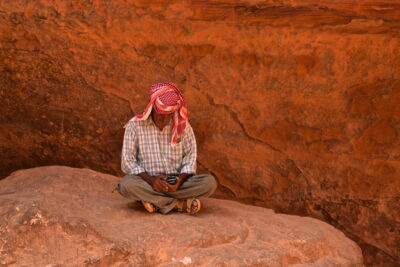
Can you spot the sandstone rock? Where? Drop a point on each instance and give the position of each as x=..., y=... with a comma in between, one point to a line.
x=60, y=216
x=300, y=98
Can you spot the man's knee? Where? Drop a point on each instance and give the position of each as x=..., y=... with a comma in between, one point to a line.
x=209, y=183
x=127, y=185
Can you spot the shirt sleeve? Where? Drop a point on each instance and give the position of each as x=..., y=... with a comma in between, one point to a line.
x=129, y=164
x=189, y=151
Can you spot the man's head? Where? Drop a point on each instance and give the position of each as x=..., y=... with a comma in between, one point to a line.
x=166, y=98
x=166, y=102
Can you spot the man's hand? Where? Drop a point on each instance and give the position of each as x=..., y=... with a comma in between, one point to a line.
x=174, y=187
x=159, y=183
x=179, y=181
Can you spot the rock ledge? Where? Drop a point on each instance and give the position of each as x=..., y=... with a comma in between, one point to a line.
x=61, y=216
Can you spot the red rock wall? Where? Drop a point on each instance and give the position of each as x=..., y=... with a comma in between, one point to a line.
x=295, y=106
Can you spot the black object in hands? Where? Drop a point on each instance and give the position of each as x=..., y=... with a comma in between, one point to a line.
x=171, y=180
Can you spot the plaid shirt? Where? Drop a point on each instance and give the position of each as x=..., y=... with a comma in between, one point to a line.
x=148, y=149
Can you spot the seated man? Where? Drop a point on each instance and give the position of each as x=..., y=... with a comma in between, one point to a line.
x=159, y=156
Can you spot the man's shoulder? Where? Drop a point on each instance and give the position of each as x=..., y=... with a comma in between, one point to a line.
x=134, y=125
x=188, y=130
x=188, y=126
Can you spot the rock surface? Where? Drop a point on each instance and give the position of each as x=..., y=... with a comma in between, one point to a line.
x=300, y=98
x=61, y=216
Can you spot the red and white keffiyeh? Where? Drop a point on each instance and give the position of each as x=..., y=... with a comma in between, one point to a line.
x=166, y=98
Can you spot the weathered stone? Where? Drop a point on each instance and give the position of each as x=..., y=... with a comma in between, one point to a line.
x=296, y=106
x=60, y=216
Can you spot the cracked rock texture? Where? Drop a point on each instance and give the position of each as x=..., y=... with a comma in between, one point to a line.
x=61, y=216
x=295, y=104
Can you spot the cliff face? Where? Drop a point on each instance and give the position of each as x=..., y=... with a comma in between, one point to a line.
x=295, y=106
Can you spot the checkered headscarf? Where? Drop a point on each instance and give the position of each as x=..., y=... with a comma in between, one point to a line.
x=166, y=98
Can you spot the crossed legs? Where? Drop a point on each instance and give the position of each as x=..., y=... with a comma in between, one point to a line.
x=197, y=186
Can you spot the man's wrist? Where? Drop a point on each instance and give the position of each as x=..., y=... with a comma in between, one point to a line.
x=184, y=176
x=149, y=179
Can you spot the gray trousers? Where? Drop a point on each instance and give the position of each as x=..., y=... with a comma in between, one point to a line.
x=197, y=186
